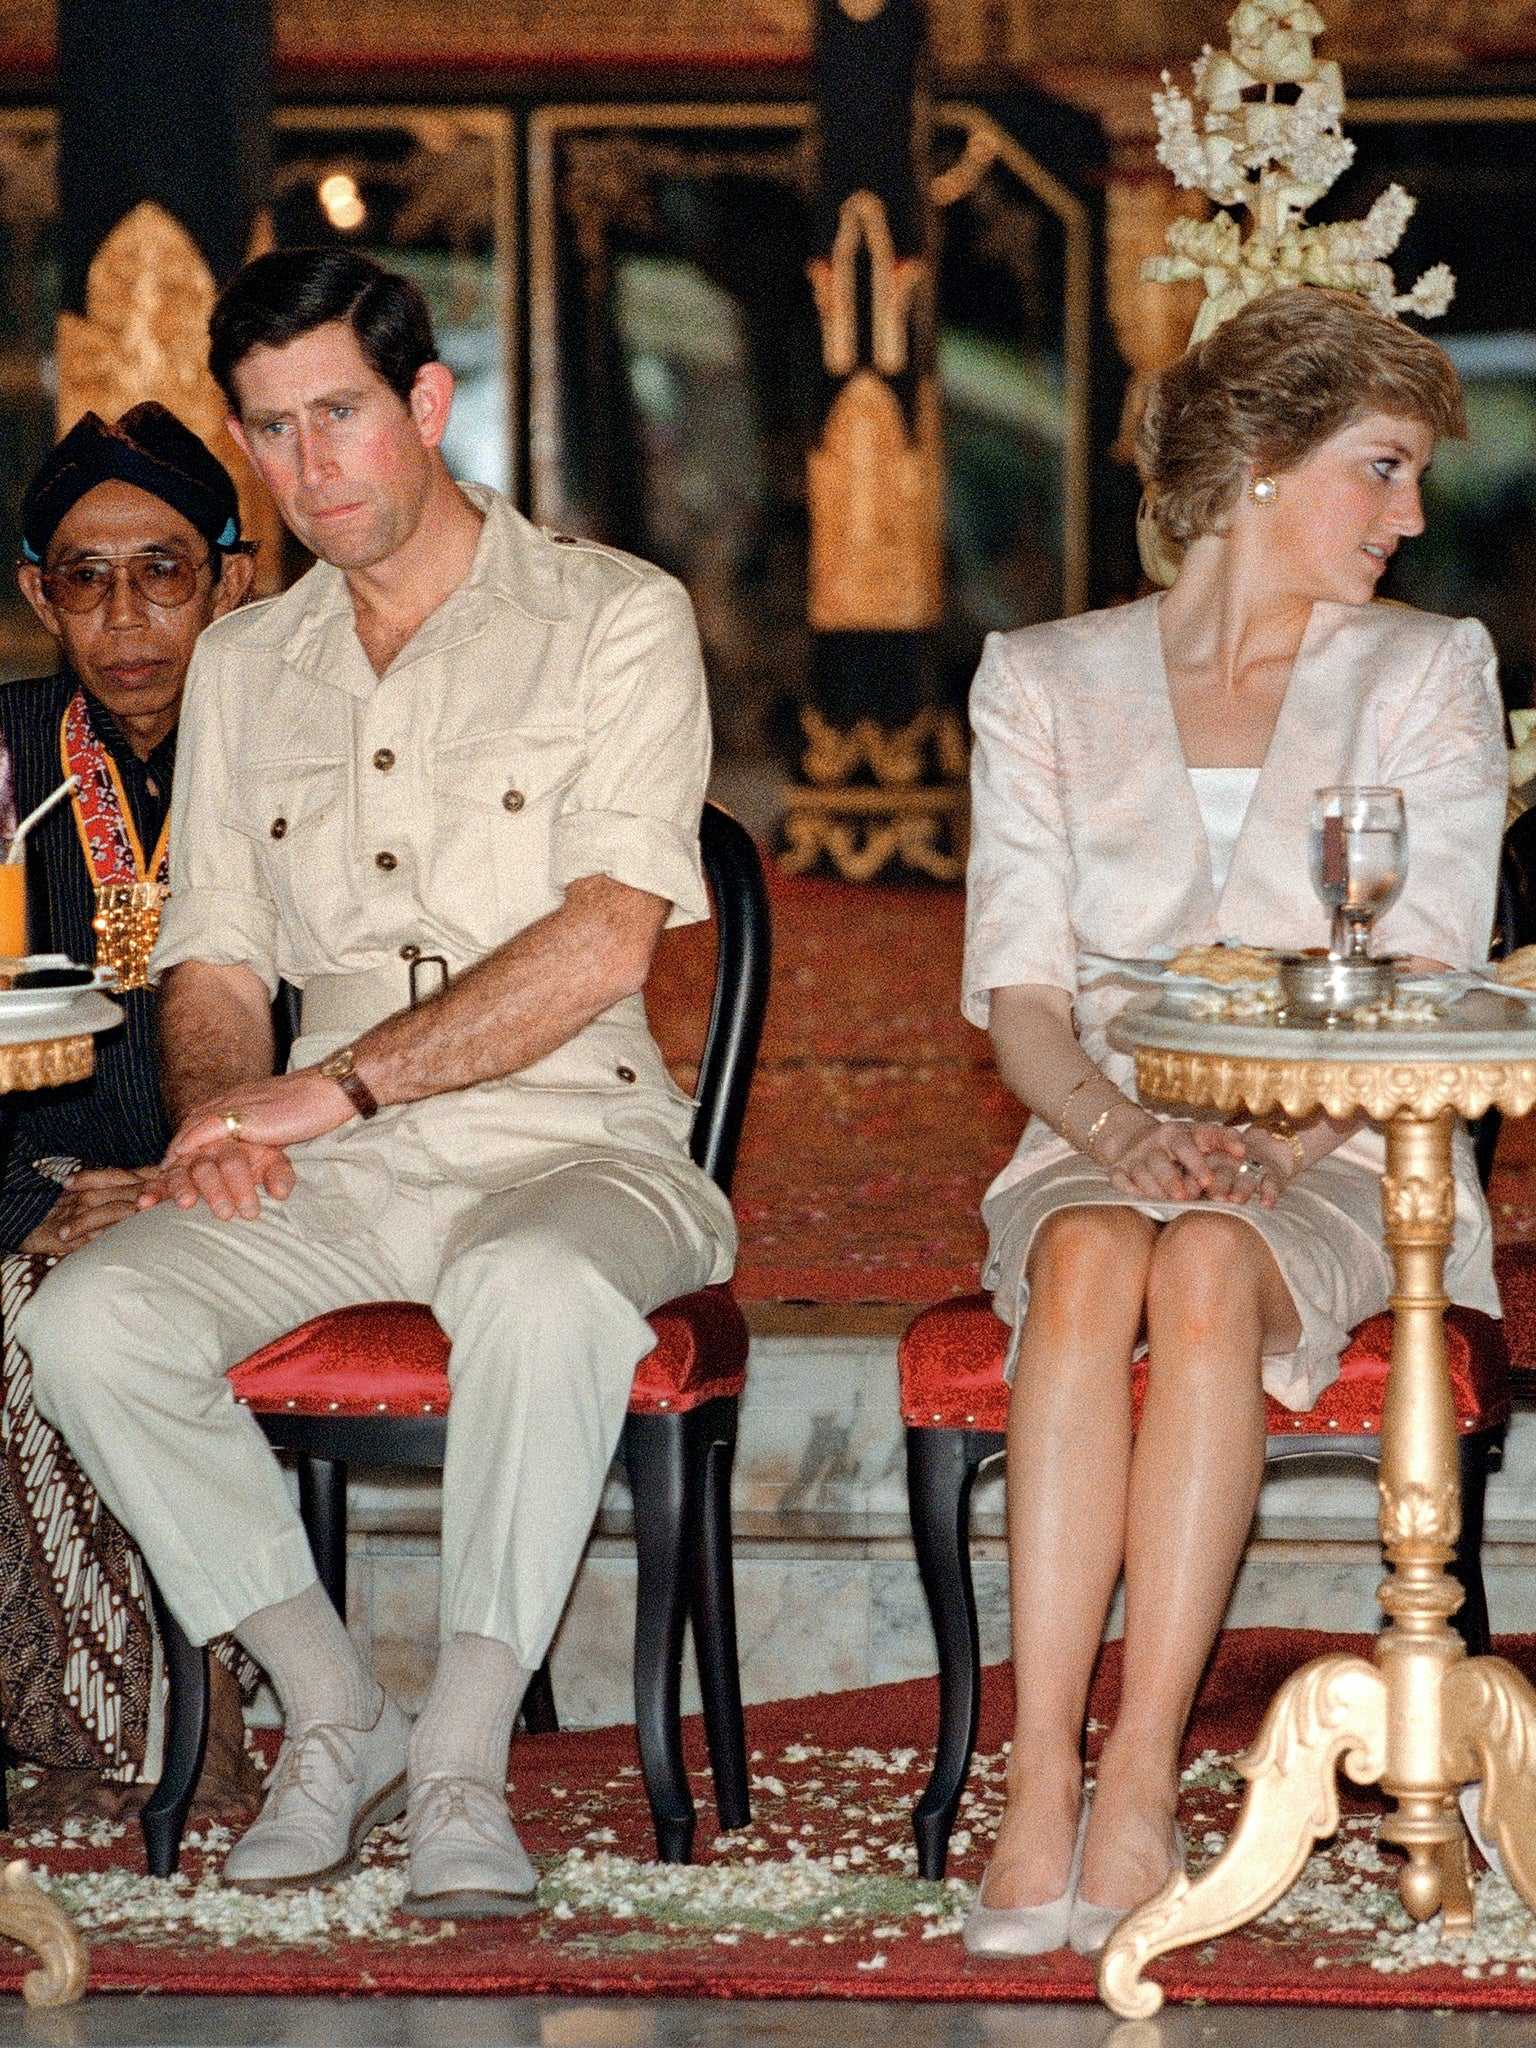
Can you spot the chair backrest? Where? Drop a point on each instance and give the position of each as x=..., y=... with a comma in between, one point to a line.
x=1514, y=924
x=743, y=959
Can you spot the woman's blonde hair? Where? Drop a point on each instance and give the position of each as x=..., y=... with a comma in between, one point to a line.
x=1273, y=383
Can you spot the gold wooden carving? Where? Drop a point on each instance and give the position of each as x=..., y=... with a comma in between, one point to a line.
x=1424, y=1719
x=893, y=279
x=1083, y=47
x=863, y=827
x=876, y=499
x=46, y=1063
x=29, y=1916
x=1151, y=321
x=148, y=296
x=1422, y=1088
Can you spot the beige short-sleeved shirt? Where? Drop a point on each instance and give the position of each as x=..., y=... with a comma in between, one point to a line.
x=547, y=722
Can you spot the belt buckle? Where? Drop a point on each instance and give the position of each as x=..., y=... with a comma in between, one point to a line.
x=427, y=960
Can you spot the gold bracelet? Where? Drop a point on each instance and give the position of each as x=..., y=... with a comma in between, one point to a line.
x=1298, y=1150
x=1071, y=1096
x=1279, y=1125
x=1098, y=1124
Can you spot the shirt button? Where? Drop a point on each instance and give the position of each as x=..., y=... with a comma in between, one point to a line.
x=278, y=827
x=626, y=1073
x=384, y=760
x=386, y=861
x=410, y=952
x=513, y=800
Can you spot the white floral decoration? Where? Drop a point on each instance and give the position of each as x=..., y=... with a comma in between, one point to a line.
x=1274, y=159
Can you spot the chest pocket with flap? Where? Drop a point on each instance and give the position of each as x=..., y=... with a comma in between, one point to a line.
x=497, y=797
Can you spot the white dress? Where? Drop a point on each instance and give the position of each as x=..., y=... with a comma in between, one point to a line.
x=1088, y=836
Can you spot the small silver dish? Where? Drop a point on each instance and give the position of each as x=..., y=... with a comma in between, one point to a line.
x=1322, y=988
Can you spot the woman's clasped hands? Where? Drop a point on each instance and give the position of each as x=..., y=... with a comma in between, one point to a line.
x=1183, y=1160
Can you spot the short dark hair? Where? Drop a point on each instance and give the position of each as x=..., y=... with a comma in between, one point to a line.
x=276, y=298
x=1271, y=384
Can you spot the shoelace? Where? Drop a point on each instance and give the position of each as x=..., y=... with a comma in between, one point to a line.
x=303, y=1761
x=445, y=1800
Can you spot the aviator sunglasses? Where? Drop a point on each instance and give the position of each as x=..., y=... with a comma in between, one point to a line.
x=158, y=577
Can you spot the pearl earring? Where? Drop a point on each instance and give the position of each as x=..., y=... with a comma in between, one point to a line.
x=1264, y=490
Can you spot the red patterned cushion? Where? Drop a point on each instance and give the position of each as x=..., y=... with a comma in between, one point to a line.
x=390, y=1358
x=951, y=1366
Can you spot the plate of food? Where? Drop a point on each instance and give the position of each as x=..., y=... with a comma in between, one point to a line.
x=43, y=984
x=1223, y=964
x=1514, y=975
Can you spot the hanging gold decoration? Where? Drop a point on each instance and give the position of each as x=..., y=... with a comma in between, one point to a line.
x=148, y=295
x=876, y=496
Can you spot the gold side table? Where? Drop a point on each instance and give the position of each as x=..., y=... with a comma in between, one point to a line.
x=1423, y=1718
x=32, y=1057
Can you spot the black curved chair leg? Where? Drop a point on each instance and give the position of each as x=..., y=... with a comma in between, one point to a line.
x=537, y=1712
x=714, y=1616
x=941, y=1470
x=164, y=1814
x=323, y=1511
x=1474, y=1455
x=666, y=1496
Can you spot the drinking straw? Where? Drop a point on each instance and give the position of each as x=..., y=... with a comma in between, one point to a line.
x=18, y=844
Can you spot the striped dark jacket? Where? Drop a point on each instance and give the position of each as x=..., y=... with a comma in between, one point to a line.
x=116, y=1118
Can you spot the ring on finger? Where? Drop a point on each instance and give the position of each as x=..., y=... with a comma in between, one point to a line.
x=1250, y=1167
x=232, y=1123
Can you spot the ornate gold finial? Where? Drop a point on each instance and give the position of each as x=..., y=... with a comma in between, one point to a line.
x=148, y=295
x=1275, y=159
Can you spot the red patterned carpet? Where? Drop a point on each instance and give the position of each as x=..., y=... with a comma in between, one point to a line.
x=877, y=1118
x=817, y=1899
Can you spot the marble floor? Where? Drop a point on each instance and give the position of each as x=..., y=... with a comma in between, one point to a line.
x=636, y=2023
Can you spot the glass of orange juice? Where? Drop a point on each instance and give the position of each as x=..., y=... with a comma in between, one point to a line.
x=13, y=909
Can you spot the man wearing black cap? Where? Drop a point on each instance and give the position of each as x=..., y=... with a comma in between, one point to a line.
x=131, y=545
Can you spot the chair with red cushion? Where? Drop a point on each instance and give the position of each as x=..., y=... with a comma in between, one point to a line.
x=369, y=1385
x=954, y=1403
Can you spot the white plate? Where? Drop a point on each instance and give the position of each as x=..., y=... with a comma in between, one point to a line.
x=43, y=1002
x=1154, y=973
x=1486, y=978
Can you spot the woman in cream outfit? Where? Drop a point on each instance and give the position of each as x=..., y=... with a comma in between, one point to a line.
x=1143, y=779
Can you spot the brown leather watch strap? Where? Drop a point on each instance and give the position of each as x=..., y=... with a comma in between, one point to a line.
x=339, y=1068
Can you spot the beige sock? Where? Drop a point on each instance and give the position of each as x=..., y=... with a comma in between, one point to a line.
x=313, y=1663
x=465, y=1728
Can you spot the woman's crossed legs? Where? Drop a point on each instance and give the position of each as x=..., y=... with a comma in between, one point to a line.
x=1172, y=1510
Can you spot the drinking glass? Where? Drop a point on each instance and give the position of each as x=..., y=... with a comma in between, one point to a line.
x=1359, y=860
x=13, y=907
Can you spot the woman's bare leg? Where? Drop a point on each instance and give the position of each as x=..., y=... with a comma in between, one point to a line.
x=1216, y=1302
x=1069, y=1446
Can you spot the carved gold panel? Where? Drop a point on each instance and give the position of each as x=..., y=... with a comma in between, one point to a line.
x=148, y=295
x=967, y=36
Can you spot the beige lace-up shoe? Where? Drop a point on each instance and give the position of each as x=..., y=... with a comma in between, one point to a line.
x=330, y=1788
x=466, y=1860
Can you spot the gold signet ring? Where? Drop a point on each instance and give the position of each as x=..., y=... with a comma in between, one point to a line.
x=232, y=1123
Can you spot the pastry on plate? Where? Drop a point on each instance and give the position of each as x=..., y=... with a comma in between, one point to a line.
x=1518, y=969
x=1229, y=965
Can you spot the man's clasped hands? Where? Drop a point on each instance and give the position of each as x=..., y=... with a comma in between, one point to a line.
x=206, y=1162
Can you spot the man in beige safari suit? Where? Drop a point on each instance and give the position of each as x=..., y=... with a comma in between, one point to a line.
x=456, y=739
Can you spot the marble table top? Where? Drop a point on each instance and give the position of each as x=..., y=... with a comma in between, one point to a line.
x=1481, y=1025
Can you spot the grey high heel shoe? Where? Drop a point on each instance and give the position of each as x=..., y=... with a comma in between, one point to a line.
x=1091, y=1925
x=1025, y=1930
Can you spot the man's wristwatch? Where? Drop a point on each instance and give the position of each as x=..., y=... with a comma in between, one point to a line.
x=339, y=1068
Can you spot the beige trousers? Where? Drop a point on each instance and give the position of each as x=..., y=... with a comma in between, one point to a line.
x=543, y=1289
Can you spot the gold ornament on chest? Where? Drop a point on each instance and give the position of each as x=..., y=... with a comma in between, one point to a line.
x=126, y=924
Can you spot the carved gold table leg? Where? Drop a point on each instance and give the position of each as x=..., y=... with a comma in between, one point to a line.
x=1420, y=1515
x=1399, y=1722
x=28, y=1915
x=1330, y=1710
